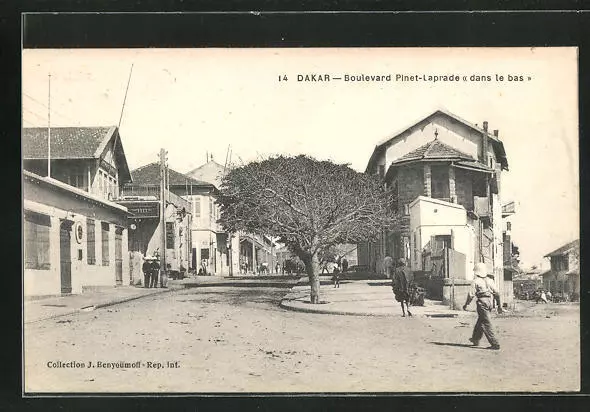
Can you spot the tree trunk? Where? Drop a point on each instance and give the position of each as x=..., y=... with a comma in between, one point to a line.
x=312, y=267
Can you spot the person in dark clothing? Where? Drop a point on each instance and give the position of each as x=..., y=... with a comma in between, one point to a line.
x=401, y=285
x=344, y=265
x=155, y=273
x=147, y=272
x=336, y=277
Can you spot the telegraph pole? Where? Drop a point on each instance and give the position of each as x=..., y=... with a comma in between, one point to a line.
x=163, y=174
x=49, y=128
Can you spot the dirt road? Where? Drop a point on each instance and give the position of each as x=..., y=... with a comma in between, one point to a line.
x=238, y=339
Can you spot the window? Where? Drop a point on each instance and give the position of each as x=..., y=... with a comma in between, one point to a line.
x=105, y=243
x=76, y=179
x=559, y=263
x=37, y=241
x=100, y=182
x=90, y=242
x=169, y=235
x=197, y=206
x=406, y=209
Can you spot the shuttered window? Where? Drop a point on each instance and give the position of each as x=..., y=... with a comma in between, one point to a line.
x=37, y=228
x=169, y=235
x=90, y=242
x=105, y=243
x=197, y=206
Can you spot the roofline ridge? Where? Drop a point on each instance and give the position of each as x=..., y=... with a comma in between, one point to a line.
x=143, y=167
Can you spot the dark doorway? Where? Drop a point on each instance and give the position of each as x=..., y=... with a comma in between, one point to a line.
x=119, y=256
x=65, y=256
x=194, y=259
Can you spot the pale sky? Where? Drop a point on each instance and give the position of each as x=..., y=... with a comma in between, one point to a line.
x=193, y=101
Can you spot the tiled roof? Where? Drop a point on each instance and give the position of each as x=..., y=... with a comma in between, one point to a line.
x=211, y=172
x=495, y=141
x=66, y=142
x=435, y=150
x=150, y=175
x=565, y=248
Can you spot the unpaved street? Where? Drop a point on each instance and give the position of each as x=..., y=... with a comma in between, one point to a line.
x=228, y=339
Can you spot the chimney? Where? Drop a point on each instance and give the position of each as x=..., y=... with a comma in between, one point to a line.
x=496, y=133
x=484, y=146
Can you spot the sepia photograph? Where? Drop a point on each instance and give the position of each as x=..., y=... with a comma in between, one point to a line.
x=300, y=220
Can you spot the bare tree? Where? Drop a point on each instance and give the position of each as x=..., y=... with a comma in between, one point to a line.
x=309, y=205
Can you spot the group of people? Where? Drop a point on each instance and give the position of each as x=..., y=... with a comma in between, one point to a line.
x=340, y=266
x=542, y=296
x=483, y=290
x=151, y=271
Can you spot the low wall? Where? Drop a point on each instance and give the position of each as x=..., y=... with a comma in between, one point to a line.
x=433, y=286
x=461, y=289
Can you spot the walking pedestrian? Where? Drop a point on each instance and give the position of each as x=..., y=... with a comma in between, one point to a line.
x=484, y=290
x=401, y=285
x=155, y=273
x=147, y=271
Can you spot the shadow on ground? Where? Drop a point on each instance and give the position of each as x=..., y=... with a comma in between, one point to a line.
x=458, y=345
x=269, y=296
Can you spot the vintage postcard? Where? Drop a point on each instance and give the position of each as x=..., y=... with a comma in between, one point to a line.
x=307, y=220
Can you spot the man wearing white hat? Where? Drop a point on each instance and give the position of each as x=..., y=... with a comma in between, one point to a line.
x=484, y=290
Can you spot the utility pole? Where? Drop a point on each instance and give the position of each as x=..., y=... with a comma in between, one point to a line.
x=49, y=129
x=163, y=175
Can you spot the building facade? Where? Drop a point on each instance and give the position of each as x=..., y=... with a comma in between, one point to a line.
x=563, y=278
x=143, y=198
x=445, y=175
x=224, y=253
x=75, y=236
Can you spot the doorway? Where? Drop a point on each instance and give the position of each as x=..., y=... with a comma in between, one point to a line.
x=65, y=256
x=119, y=256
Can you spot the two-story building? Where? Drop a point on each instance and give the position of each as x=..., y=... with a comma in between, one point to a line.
x=445, y=177
x=75, y=236
x=563, y=278
x=229, y=253
x=143, y=198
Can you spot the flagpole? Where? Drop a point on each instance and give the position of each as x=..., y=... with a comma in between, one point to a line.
x=49, y=129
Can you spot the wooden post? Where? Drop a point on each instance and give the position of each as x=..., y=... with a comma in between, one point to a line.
x=163, y=267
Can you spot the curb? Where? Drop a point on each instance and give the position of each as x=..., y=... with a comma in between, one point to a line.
x=238, y=284
x=285, y=305
x=330, y=312
x=130, y=298
x=99, y=306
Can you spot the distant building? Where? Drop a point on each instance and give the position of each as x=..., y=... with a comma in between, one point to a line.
x=143, y=199
x=229, y=254
x=75, y=236
x=445, y=175
x=564, y=276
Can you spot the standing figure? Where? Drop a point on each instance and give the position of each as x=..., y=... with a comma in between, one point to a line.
x=388, y=266
x=155, y=273
x=344, y=265
x=204, y=266
x=485, y=291
x=147, y=271
x=336, y=277
x=401, y=284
